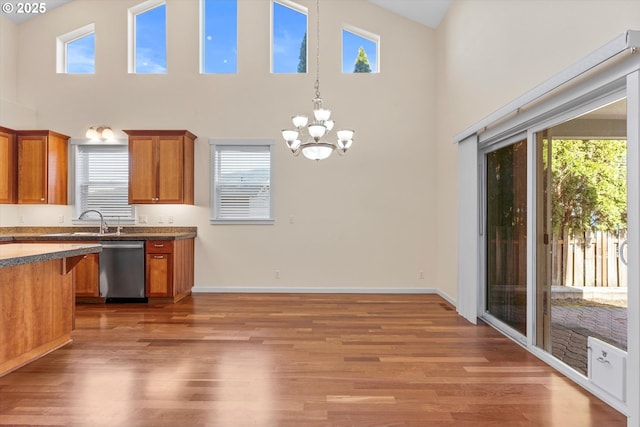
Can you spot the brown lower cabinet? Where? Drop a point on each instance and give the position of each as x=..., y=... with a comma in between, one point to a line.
x=86, y=277
x=169, y=269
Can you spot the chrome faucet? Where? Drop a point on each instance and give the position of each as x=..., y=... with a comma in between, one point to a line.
x=103, y=225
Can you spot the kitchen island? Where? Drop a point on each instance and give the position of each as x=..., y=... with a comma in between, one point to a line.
x=36, y=299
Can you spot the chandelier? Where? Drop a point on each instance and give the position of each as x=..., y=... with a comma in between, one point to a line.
x=308, y=137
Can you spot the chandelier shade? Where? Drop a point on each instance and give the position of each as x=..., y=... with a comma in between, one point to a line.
x=308, y=137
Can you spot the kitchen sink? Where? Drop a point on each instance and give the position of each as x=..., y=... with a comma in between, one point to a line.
x=81, y=233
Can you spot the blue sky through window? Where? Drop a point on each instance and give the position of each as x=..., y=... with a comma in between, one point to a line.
x=351, y=43
x=81, y=55
x=289, y=28
x=220, y=36
x=151, y=41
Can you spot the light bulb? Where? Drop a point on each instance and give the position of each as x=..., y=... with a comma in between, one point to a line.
x=107, y=133
x=92, y=133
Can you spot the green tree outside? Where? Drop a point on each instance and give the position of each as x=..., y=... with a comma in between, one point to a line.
x=589, y=185
x=302, y=58
x=362, y=62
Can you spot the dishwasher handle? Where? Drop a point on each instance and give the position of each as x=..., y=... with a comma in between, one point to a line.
x=121, y=245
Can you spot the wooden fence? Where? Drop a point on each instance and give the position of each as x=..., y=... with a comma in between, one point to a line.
x=590, y=259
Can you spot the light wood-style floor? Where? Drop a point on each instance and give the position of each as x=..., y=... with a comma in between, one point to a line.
x=292, y=360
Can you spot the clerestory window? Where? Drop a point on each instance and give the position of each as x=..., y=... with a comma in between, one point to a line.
x=75, y=51
x=360, y=51
x=148, y=38
x=288, y=37
x=219, y=36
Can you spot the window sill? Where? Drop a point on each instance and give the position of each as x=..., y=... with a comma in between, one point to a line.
x=241, y=221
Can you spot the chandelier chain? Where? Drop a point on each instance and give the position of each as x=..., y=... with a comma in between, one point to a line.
x=317, y=85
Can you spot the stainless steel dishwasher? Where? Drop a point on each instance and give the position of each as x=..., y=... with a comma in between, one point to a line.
x=122, y=271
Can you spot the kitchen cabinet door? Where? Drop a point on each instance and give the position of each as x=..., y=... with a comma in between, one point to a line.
x=161, y=166
x=142, y=169
x=8, y=166
x=42, y=167
x=159, y=275
x=86, y=276
x=170, y=169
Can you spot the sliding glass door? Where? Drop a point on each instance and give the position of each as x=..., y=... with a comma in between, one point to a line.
x=581, y=227
x=506, y=235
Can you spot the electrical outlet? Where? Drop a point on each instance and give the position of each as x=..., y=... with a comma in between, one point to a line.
x=142, y=219
x=170, y=219
x=277, y=274
x=291, y=219
x=160, y=219
x=61, y=219
x=21, y=219
x=421, y=275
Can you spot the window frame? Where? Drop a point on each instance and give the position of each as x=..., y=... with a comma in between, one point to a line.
x=372, y=37
x=132, y=13
x=214, y=144
x=203, y=28
x=297, y=8
x=74, y=176
x=62, y=43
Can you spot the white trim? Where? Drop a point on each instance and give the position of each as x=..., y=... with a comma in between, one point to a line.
x=468, y=232
x=63, y=40
x=321, y=290
x=628, y=40
x=202, y=22
x=633, y=239
x=85, y=141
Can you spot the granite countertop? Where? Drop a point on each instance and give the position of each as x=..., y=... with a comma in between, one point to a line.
x=89, y=234
x=27, y=253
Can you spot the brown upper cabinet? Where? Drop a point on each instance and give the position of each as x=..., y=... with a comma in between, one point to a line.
x=161, y=166
x=8, y=166
x=42, y=167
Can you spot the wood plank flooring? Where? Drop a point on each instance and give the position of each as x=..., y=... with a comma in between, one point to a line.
x=292, y=360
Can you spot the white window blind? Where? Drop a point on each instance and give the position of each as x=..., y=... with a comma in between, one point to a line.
x=102, y=180
x=241, y=189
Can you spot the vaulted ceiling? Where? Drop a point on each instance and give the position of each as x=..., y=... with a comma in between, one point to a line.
x=426, y=12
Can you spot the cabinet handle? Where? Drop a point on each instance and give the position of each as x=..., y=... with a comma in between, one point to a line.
x=158, y=256
x=158, y=246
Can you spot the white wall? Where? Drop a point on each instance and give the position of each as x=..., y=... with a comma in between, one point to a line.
x=12, y=114
x=366, y=220
x=492, y=51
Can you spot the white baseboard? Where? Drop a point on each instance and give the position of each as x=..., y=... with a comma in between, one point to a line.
x=323, y=290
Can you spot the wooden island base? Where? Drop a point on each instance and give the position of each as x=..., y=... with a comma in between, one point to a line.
x=37, y=301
